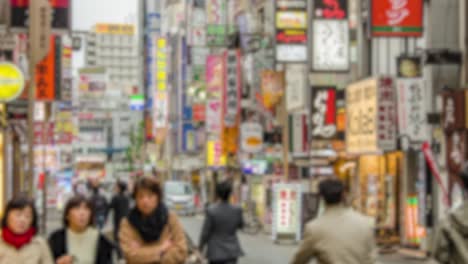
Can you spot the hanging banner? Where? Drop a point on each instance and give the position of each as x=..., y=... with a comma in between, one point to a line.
x=161, y=64
x=331, y=45
x=45, y=75
x=215, y=86
x=331, y=9
x=287, y=202
x=61, y=15
x=371, y=113
x=198, y=28
x=272, y=88
x=232, y=96
x=392, y=18
x=323, y=112
x=215, y=154
x=251, y=137
x=412, y=117
x=216, y=19
x=299, y=134
x=296, y=86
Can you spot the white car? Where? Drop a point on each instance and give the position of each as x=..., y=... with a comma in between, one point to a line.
x=179, y=197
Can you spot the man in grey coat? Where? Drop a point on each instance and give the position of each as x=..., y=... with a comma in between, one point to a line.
x=340, y=235
x=450, y=244
x=219, y=233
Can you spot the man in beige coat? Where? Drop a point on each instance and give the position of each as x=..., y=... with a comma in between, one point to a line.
x=340, y=235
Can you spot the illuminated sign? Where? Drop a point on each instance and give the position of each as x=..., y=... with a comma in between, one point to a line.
x=115, y=29
x=397, y=18
x=291, y=20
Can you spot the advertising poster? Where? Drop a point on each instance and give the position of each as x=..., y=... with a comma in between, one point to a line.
x=323, y=112
x=199, y=112
x=272, y=88
x=296, y=83
x=453, y=112
x=45, y=75
x=216, y=20
x=287, y=203
x=456, y=150
x=331, y=45
x=412, y=114
x=392, y=18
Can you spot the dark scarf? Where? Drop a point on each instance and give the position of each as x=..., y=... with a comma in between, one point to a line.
x=150, y=227
x=18, y=241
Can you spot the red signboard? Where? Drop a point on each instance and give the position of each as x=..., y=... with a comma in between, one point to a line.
x=331, y=9
x=45, y=76
x=291, y=36
x=199, y=112
x=323, y=112
x=397, y=18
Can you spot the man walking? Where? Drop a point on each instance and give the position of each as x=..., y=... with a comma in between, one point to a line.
x=340, y=235
x=451, y=236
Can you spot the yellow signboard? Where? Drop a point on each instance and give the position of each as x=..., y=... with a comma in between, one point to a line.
x=11, y=82
x=215, y=156
x=115, y=29
x=291, y=20
x=361, y=107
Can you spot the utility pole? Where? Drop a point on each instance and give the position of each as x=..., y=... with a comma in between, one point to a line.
x=40, y=13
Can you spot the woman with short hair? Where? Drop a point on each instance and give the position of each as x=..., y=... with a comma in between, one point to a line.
x=19, y=242
x=79, y=242
x=150, y=233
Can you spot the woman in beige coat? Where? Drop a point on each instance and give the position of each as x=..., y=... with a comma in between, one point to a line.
x=18, y=240
x=150, y=233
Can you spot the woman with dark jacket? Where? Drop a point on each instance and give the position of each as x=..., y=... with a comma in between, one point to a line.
x=79, y=241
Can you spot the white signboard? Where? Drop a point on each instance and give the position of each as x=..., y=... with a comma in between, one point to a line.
x=251, y=137
x=412, y=115
x=299, y=133
x=161, y=108
x=330, y=45
x=291, y=53
x=287, y=202
x=296, y=86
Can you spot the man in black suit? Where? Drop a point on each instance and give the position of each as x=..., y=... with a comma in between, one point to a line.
x=219, y=231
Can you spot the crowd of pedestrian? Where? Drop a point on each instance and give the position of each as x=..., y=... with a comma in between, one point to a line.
x=150, y=233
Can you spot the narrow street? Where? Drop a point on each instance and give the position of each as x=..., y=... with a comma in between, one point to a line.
x=260, y=249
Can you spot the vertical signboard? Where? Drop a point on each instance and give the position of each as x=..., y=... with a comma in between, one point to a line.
x=251, y=137
x=296, y=86
x=161, y=94
x=45, y=75
x=287, y=202
x=3, y=13
x=198, y=28
x=386, y=114
x=215, y=82
x=392, y=18
x=323, y=112
x=412, y=114
x=233, y=83
x=453, y=114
